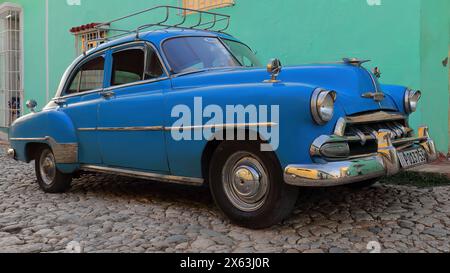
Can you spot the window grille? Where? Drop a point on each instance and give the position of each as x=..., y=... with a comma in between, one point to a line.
x=88, y=37
x=206, y=4
x=11, y=90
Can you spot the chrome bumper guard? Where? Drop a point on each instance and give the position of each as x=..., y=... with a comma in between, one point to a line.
x=384, y=162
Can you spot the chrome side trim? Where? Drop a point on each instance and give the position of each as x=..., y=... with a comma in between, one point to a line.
x=123, y=129
x=29, y=139
x=86, y=129
x=65, y=153
x=162, y=128
x=144, y=175
x=223, y=126
x=149, y=128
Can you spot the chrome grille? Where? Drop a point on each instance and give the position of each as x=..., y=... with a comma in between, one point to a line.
x=362, y=137
x=398, y=129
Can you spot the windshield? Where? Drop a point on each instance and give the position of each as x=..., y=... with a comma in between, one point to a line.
x=188, y=54
x=243, y=53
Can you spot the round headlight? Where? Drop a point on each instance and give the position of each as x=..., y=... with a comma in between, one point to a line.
x=322, y=105
x=412, y=98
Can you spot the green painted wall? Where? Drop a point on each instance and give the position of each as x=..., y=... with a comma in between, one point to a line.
x=405, y=38
x=434, y=75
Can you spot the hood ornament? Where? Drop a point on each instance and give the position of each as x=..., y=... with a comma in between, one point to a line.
x=274, y=68
x=355, y=61
x=376, y=72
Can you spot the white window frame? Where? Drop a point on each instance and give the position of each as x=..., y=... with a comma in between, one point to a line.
x=4, y=7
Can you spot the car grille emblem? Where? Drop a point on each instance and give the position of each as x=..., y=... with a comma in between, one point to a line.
x=376, y=96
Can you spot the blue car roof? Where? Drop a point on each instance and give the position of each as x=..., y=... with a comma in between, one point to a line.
x=157, y=36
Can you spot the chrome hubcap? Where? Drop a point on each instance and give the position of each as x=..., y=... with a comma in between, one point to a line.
x=47, y=167
x=245, y=182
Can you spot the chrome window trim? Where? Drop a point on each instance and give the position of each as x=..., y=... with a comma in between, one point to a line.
x=112, y=88
x=234, y=55
x=147, y=43
x=144, y=175
x=80, y=94
x=82, y=58
x=76, y=67
x=137, y=44
x=125, y=48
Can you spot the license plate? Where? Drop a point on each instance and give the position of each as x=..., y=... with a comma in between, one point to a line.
x=412, y=158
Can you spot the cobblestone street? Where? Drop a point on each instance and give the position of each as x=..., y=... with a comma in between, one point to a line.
x=113, y=214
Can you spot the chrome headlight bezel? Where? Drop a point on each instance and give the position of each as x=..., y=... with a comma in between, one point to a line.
x=322, y=105
x=411, y=100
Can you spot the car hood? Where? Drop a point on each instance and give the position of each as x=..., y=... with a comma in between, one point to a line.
x=349, y=81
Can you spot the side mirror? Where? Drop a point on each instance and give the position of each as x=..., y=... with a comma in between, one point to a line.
x=31, y=104
x=274, y=69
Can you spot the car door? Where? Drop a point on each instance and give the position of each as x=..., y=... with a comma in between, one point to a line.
x=130, y=117
x=80, y=100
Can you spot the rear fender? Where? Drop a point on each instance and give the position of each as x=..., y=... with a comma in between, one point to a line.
x=53, y=128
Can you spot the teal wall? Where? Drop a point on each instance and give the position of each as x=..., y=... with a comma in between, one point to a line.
x=407, y=39
x=434, y=47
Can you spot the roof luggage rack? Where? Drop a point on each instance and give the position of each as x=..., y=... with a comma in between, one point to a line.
x=206, y=21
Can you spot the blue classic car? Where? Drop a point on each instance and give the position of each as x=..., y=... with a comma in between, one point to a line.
x=178, y=105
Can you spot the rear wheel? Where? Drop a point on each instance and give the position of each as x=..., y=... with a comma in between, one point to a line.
x=50, y=179
x=247, y=185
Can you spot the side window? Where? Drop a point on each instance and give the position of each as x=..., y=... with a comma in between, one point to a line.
x=154, y=69
x=130, y=66
x=89, y=77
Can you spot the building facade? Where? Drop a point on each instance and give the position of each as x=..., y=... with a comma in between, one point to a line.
x=408, y=39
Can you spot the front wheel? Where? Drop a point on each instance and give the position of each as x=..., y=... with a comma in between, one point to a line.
x=248, y=187
x=49, y=178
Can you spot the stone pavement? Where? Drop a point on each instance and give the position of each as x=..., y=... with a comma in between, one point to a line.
x=114, y=214
x=441, y=167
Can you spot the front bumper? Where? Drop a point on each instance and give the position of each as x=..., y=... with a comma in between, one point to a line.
x=384, y=162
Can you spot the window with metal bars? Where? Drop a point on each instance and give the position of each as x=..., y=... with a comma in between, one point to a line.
x=11, y=90
x=206, y=4
x=85, y=41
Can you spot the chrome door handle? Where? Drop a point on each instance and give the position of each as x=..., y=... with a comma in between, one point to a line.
x=108, y=94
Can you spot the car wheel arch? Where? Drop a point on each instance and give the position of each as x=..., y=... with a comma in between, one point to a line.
x=32, y=149
x=212, y=145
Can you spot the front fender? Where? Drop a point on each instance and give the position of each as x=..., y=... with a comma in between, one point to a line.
x=397, y=93
x=295, y=133
x=51, y=127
